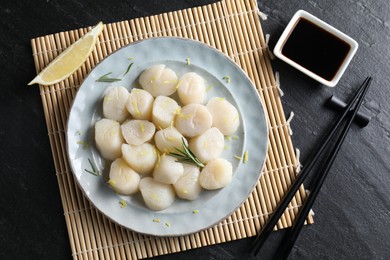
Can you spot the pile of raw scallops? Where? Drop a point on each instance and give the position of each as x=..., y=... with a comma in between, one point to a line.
x=141, y=129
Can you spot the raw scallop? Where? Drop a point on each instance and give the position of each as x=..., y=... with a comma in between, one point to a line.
x=168, y=139
x=142, y=158
x=108, y=138
x=114, y=104
x=140, y=104
x=216, y=174
x=157, y=196
x=137, y=132
x=193, y=120
x=159, y=80
x=191, y=89
x=225, y=115
x=164, y=111
x=188, y=187
x=167, y=170
x=123, y=179
x=208, y=146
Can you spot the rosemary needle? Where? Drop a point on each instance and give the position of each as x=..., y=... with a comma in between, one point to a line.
x=94, y=171
x=128, y=68
x=106, y=78
x=186, y=155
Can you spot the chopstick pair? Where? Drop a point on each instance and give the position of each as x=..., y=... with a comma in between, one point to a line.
x=290, y=238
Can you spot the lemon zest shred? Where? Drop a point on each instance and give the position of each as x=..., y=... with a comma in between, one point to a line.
x=184, y=116
x=158, y=160
x=135, y=105
x=85, y=145
x=238, y=157
x=178, y=84
x=177, y=111
x=123, y=204
x=141, y=127
x=111, y=182
x=246, y=155
x=226, y=120
x=154, y=196
x=143, y=153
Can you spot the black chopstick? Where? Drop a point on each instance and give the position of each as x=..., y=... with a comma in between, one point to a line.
x=262, y=237
x=288, y=242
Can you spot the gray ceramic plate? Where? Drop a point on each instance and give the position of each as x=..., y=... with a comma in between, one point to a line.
x=212, y=206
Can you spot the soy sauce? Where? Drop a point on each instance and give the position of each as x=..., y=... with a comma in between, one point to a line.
x=315, y=49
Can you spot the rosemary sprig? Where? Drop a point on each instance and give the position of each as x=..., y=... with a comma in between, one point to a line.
x=186, y=156
x=105, y=78
x=94, y=171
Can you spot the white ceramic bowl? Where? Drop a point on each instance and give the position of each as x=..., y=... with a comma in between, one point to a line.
x=289, y=29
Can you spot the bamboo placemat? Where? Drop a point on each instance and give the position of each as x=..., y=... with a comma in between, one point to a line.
x=233, y=26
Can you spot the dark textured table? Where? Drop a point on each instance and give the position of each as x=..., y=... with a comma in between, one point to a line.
x=352, y=213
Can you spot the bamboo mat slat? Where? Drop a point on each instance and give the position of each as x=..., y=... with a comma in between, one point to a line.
x=232, y=26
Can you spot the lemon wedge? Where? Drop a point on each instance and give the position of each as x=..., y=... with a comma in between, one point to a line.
x=70, y=59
